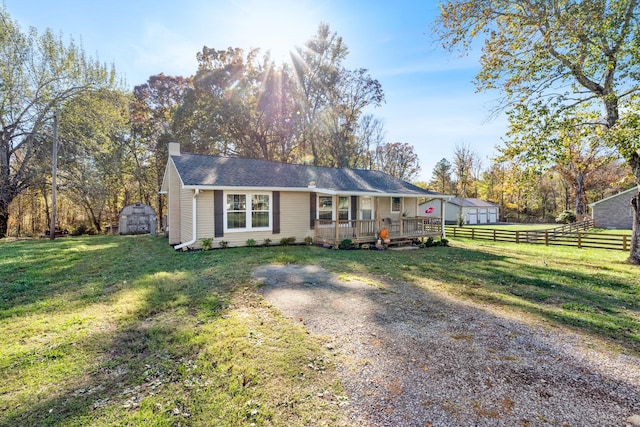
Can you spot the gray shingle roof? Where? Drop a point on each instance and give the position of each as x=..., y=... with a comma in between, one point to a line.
x=478, y=203
x=215, y=171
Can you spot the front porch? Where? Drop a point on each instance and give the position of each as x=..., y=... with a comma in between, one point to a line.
x=366, y=231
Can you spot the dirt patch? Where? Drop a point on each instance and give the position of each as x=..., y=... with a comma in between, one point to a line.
x=411, y=357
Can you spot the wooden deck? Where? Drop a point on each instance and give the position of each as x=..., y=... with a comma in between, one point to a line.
x=366, y=231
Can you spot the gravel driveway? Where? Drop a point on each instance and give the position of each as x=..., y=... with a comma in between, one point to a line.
x=412, y=357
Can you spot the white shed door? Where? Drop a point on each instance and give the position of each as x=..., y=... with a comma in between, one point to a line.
x=483, y=216
x=473, y=216
x=493, y=216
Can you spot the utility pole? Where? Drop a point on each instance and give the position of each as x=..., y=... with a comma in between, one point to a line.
x=52, y=229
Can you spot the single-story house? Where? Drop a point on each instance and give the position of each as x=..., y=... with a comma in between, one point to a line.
x=236, y=199
x=614, y=211
x=474, y=211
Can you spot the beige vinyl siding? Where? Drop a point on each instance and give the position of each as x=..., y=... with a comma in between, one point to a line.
x=383, y=207
x=410, y=206
x=206, y=227
x=186, y=200
x=173, y=206
x=294, y=216
x=294, y=222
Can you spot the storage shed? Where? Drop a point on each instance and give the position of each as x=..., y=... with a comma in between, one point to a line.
x=138, y=219
x=614, y=212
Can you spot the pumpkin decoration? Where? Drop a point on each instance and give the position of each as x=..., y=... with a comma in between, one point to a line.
x=384, y=233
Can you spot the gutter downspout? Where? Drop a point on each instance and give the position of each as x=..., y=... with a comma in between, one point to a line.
x=194, y=223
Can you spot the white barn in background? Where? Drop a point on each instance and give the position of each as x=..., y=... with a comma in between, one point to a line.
x=474, y=211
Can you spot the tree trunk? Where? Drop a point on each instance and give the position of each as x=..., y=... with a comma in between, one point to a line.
x=579, y=194
x=634, y=255
x=4, y=218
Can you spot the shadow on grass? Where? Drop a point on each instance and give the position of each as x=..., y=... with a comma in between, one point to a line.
x=151, y=342
x=129, y=354
x=412, y=353
x=591, y=302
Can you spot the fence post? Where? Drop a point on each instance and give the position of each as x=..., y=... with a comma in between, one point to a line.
x=579, y=240
x=546, y=237
x=624, y=242
x=517, y=236
x=494, y=234
x=473, y=234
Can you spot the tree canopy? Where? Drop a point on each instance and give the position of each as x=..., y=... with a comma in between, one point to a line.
x=40, y=73
x=553, y=61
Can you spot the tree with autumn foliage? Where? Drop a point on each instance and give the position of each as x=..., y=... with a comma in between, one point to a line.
x=40, y=74
x=553, y=59
x=153, y=108
x=398, y=159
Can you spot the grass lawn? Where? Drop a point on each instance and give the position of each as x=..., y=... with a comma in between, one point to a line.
x=514, y=227
x=116, y=330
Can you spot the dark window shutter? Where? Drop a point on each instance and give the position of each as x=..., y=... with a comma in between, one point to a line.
x=218, y=213
x=312, y=210
x=276, y=212
x=354, y=207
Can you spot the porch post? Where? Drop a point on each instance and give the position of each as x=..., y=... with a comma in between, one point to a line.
x=401, y=219
x=336, y=215
x=442, y=216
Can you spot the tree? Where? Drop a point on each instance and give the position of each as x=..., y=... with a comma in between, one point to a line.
x=317, y=68
x=39, y=74
x=441, y=176
x=399, y=160
x=244, y=105
x=152, y=112
x=550, y=59
x=467, y=165
x=576, y=150
x=94, y=157
x=239, y=105
x=331, y=100
x=369, y=135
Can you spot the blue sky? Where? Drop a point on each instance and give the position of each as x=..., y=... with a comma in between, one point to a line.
x=431, y=102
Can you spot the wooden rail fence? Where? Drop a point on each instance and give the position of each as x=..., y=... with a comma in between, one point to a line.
x=567, y=235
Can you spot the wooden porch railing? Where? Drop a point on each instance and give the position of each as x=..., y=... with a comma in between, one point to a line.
x=334, y=232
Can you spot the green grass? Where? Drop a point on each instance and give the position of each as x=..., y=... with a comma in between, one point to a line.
x=514, y=227
x=116, y=330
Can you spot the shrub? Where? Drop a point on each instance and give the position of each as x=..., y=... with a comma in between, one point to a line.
x=266, y=242
x=346, y=244
x=308, y=240
x=566, y=217
x=286, y=241
x=460, y=220
x=251, y=243
x=443, y=242
x=83, y=228
x=206, y=243
x=224, y=244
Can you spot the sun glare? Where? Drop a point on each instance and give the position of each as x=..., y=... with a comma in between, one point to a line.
x=277, y=27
